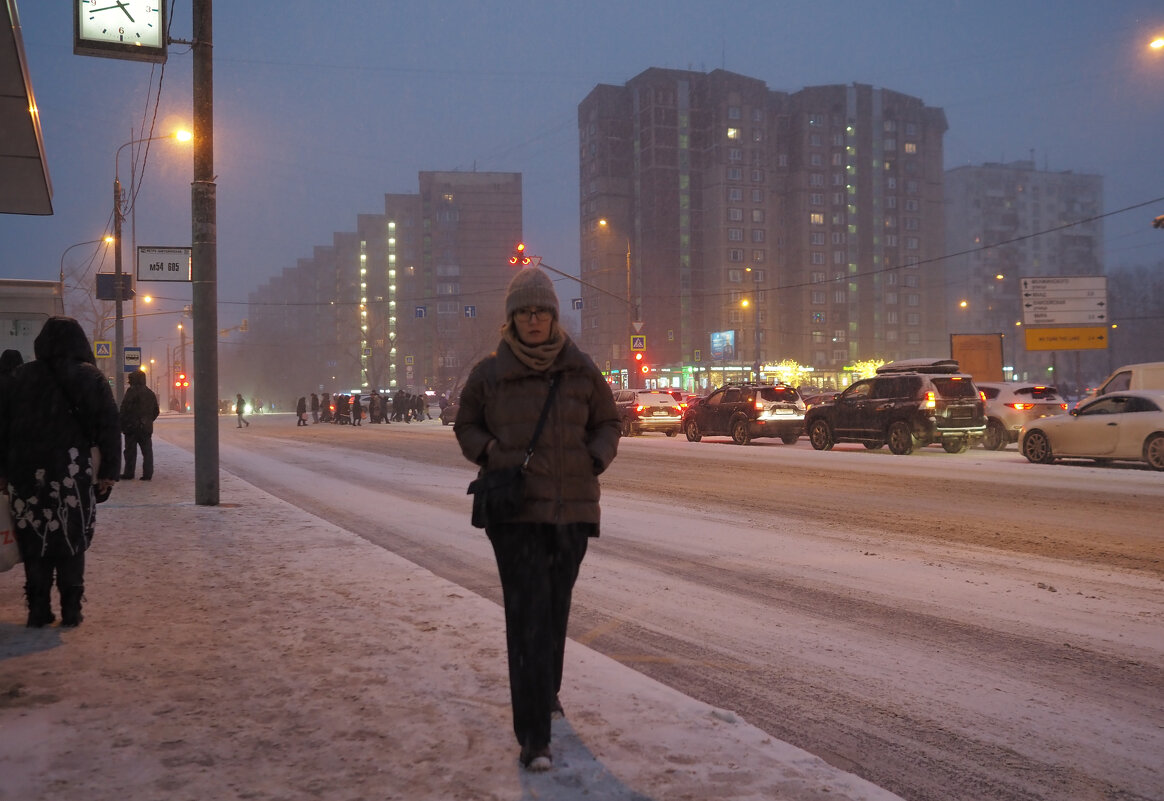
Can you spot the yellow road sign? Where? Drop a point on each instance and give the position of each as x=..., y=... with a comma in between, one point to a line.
x=1082, y=338
x=639, y=342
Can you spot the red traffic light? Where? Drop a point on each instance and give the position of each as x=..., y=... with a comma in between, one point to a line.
x=180, y=380
x=519, y=257
x=639, y=356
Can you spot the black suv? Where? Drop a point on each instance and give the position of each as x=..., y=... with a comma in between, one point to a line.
x=747, y=411
x=908, y=404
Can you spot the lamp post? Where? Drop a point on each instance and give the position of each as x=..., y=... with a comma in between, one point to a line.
x=106, y=239
x=632, y=315
x=755, y=303
x=118, y=216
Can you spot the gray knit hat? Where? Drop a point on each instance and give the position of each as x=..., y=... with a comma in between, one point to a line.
x=530, y=287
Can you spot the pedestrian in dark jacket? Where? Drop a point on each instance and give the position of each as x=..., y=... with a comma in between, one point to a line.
x=301, y=411
x=540, y=550
x=357, y=410
x=139, y=409
x=314, y=408
x=60, y=444
x=9, y=361
x=240, y=406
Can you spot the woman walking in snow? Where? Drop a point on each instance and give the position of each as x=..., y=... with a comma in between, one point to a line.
x=540, y=549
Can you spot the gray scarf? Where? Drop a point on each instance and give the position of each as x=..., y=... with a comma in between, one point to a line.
x=535, y=357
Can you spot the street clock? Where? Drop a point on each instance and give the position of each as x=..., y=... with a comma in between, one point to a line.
x=125, y=29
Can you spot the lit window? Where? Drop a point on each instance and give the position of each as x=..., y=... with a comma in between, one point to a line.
x=910, y=147
x=816, y=218
x=733, y=133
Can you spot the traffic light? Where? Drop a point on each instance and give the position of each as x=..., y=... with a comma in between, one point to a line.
x=519, y=257
x=644, y=368
x=180, y=381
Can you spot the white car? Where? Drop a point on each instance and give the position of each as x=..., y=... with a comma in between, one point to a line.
x=1126, y=426
x=1012, y=404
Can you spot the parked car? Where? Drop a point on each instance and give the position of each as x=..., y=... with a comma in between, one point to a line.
x=1012, y=404
x=643, y=410
x=745, y=412
x=1124, y=426
x=908, y=404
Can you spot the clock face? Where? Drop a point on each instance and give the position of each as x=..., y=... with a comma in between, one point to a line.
x=133, y=23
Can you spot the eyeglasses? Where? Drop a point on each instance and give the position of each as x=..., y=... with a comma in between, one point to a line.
x=533, y=313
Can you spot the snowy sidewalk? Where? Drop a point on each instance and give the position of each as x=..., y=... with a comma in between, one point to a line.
x=251, y=650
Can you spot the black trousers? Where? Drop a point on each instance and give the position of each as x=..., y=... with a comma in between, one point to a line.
x=132, y=443
x=538, y=565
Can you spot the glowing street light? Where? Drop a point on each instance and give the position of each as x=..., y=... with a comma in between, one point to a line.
x=118, y=215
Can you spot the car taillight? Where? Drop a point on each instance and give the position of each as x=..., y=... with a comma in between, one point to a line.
x=1022, y=407
x=640, y=408
x=1063, y=406
x=931, y=400
x=982, y=396
x=759, y=405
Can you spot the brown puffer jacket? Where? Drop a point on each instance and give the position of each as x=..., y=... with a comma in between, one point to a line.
x=503, y=398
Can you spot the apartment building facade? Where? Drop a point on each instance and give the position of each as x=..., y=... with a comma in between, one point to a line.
x=410, y=299
x=1009, y=221
x=728, y=226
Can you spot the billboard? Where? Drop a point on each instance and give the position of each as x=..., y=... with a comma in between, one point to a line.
x=723, y=345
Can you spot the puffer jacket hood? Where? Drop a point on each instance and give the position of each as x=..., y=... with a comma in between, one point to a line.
x=63, y=340
x=137, y=378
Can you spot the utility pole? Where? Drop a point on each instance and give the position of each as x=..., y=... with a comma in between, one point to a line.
x=204, y=255
x=118, y=311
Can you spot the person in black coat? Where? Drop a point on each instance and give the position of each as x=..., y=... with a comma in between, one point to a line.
x=139, y=409
x=314, y=408
x=301, y=412
x=9, y=361
x=60, y=444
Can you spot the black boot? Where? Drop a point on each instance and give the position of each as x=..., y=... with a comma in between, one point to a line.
x=71, y=605
x=40, y=608
x=38, y=587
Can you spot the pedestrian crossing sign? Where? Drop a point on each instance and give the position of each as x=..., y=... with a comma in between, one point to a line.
x=639, y=342
x=103, y=350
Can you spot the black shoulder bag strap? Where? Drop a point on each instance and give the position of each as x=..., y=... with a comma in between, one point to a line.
x=541, y=420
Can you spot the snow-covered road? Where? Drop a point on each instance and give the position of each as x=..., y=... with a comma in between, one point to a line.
x=946, y=626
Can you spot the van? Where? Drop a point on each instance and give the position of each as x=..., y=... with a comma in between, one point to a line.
x=1149, y=375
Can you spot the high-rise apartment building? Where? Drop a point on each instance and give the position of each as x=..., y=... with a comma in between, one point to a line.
x=731, y=227
x=411, y=299
x=1006, y=222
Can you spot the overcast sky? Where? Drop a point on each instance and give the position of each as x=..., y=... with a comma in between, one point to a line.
x=322, y=108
